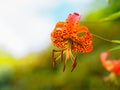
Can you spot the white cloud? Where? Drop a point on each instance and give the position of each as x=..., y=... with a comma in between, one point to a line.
x=11, y=42
x=22, y=28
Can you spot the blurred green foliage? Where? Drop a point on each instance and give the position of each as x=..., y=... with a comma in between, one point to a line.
x=35, y=72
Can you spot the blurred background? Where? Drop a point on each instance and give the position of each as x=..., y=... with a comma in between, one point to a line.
x=25, y=45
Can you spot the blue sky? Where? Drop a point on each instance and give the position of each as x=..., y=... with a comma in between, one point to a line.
x=25, y=25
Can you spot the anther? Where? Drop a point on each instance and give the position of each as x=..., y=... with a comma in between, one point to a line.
x=74, y=64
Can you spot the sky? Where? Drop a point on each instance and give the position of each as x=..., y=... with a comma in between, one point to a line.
x=25, y=25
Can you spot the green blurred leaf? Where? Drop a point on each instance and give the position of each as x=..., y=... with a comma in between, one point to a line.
x=115, y=48
x=111, y=9
x=112, y=17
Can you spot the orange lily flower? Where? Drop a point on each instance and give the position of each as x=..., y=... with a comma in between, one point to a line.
x=110, y=65
x=71, y=37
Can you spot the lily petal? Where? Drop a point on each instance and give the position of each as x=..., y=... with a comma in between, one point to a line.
x=110, y=65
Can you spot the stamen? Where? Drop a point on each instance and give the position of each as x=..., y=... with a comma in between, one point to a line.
x=64, y=67
x=53, y=59
x=68, y=54
x=74, y=64
x=72, y=57
x=62, y=55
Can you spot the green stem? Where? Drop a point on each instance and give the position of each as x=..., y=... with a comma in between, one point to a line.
x=111, y=41
x=102, y=38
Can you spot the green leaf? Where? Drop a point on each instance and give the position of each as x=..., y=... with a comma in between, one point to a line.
x=116, y=41
x=115, y=48
x=112, y=17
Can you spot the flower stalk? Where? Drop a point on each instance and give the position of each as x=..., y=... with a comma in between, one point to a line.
x=111, y=41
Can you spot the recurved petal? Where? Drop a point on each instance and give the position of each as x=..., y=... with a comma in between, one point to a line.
x=59, y=25
x=57, y=36
x=82, y=40
x=57, y=39
x=82, y=47
x=110, y=65
x=73, y=18
x=116, y=68
x=82, y=29
x=81, y=33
